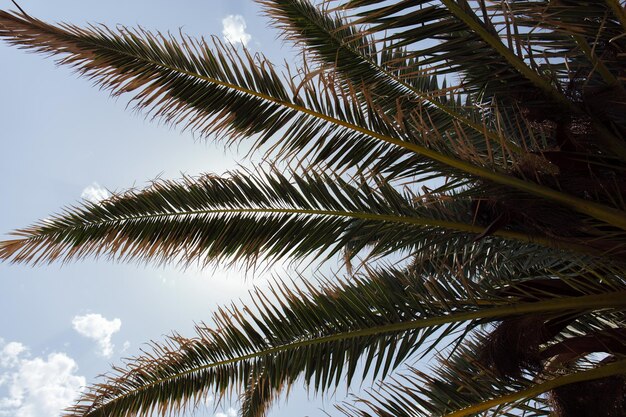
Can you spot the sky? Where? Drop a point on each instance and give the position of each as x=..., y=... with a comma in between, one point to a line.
x=64, y=141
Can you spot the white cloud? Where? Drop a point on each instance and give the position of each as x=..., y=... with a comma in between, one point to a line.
x=95, y=193
x=38, y=387
x=231, y=412
x=9, y=355
x=96, y=327
x=234, y=29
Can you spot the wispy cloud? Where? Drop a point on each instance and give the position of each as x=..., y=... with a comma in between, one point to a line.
x=98, y=328
x=37, y=387
x=95, y=193
x=234, y=29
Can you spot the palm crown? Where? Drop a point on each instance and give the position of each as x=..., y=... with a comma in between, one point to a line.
x=514, y=260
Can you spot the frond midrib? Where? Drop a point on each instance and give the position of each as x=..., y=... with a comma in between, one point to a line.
x=418, y=221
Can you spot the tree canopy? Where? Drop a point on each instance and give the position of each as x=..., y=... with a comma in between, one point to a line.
x=480, y=141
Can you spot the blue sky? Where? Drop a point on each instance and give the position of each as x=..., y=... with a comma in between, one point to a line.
x=64, y=140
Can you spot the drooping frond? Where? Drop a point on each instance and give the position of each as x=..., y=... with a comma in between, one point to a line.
x=377, y=320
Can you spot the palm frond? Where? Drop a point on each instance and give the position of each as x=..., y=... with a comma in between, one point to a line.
x=590, y=26
x=263, y=216
x=214, y=89
x=377, y=320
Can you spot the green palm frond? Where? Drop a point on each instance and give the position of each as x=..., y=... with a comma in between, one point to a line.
x=268, y=216
x=376, y=320
x=214, y=89
x=590, y=25
x=205, y=88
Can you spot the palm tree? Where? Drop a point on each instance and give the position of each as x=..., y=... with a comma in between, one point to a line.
x=513, y=262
